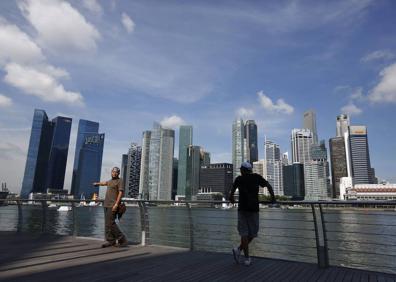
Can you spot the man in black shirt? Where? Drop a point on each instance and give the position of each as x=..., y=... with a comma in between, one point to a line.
x=248, y=209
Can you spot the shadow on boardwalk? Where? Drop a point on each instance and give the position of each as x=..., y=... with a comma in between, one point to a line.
x=25, y=257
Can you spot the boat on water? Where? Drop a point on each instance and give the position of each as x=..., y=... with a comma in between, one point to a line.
x=3, y=195
x=64, y=208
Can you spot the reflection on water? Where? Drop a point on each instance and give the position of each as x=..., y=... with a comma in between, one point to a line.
x=356, y=238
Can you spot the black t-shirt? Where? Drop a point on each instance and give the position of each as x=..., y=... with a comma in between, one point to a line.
x=248, y=186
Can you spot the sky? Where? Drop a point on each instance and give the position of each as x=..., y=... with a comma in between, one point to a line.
x=127, y=64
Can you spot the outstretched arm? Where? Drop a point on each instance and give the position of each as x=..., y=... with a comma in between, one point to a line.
x=104, y=183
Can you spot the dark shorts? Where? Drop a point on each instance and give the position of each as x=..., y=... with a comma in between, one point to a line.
x=248, y=223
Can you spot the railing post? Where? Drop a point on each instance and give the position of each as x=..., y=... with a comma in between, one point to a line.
x=74, y=219
x=44, y=215
x=188, y=205
x=20, y=216
x=144, y=223
x=325, y=247
x=321, y=248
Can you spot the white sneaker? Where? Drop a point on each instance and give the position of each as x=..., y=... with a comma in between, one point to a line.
x=237, y=253
x=248, y=261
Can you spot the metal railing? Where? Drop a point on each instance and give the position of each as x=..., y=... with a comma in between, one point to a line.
x=347, y=233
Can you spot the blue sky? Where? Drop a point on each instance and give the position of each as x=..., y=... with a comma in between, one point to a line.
x=129, y=63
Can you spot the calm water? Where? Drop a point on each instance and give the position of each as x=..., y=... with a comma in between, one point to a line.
x=357, y=238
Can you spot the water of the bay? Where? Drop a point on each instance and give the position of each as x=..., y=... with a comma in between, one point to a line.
x=360, y=238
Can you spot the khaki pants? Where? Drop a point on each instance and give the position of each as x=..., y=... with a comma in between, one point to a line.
x=112, y=232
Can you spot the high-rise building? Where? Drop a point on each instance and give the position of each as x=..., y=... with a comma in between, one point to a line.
x=301, y=143
x=338, y=163
x=133, y=171
x=316, y=174
x=144, y=167
x=161, y=163
x=87, y=159
x=310, y=123
x=47, y=154
x=285, y=158
x=260, y=167
x=174, y=177
x=185, y=140
x=342, y=125
x=293, y=181
x=358, y=160
x=217, y=178
x=124, y=168
x=193, y=171
x=251, y=141
x=274, y=166
x=238, y=139
x=205, y=158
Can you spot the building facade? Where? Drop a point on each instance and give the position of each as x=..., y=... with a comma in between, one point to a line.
x=274, y=166
x=238, y=146
x=193, y=171
x=359, y=156
x=309, y=122
x=185, y=140
x=87, y=159
x=133, y=171
x=251, y=141
x=144, y=166
x=293, y=181
x=342, y=125
x=338, y=163
x=47, y=154
x=217, y=178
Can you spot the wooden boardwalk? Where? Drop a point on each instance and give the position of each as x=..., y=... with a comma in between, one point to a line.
x=26, y=257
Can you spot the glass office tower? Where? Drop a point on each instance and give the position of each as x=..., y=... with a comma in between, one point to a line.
x=87, y=160
x=47, y=154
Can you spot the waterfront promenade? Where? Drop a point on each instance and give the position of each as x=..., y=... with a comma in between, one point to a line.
x=44, y=257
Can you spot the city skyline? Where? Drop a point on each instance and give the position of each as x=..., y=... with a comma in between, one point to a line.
x=126, y=65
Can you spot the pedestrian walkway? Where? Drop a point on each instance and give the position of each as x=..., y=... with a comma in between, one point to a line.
x=25, y=257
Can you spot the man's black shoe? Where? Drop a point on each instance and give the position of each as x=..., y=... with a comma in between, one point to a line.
x=107, y=244
x=123, y=242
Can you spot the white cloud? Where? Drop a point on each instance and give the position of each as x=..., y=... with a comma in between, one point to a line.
x=93, y=6
x=378, y=55
x=172, y=121
x=128, y=23
x=16, y=46
x=38, y=83
x=281, y=106
x=351, y=109
x=357, y=94
x=5, y=101
x=385, y=91
x=245, y=113
x=59, y=25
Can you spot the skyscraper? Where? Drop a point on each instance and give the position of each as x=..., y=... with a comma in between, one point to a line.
x=124, y=168
x=342, y=125
x=193, y=171
x=274, y=166
x=251, y=141
x=338, y=163
x=316, y=174
x=310, y=123
x=293, y=181
x=359, y=156
x=185, y=140
x=133, y=171
x=301, y=143
x=161, y=163
x=87, y=159
x=238, y=136
x=205, y=158
x=48, y=147
x=144, y=167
